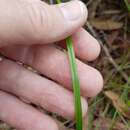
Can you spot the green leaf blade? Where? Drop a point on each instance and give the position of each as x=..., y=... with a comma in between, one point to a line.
x=76, y=84
x=127, y=4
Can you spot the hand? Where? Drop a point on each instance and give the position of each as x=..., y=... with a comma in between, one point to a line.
x=27, y=30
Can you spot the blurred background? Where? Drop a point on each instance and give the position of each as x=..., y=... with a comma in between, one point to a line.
x=109, y=22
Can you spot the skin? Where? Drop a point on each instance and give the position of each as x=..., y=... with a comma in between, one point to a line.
x=28, y=30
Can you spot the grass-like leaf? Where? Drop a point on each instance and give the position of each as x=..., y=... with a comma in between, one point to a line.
x=75, y=82
x=127, y=4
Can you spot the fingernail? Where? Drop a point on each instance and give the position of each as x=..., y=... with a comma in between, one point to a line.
x=84, y=107
x=73, y=10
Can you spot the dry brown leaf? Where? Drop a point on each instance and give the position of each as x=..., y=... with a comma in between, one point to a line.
x=118, y=103
x=106, y=24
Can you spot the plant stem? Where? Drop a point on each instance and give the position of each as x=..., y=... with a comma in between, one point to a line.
x=75, y=82
x=127, y=4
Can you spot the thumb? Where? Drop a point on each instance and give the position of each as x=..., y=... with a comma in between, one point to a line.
x=34, y=22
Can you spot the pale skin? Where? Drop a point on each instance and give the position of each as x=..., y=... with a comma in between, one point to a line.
x=28, y=30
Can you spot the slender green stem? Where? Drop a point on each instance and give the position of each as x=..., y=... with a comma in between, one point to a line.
x=113, y=120
x=75, y=82
x=127, y=4
x=123, y=97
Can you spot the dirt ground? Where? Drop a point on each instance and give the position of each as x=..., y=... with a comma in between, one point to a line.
x=109, y=22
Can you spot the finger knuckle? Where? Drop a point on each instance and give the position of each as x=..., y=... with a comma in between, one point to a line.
x=40, y=21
